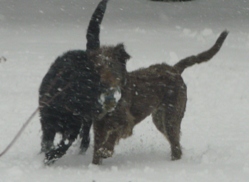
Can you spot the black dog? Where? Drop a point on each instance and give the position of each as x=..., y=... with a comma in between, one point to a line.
x=70, y=91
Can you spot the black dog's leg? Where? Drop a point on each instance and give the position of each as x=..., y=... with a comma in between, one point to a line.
x=60, y=150
x=48, y=134
x=47, y=143
x=93, y=29
x=85, y=136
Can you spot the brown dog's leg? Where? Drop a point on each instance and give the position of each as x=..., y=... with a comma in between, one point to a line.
x=102, y=151
x=169, y=125
x=168, y=117
x=96, y=159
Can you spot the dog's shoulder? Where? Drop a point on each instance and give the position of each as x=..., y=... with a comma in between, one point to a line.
x=71, y=57
x=73, y=61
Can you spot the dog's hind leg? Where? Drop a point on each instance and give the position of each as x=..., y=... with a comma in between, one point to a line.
x=169, y=126
x=167, y=119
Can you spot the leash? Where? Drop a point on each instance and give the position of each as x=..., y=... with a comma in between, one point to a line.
x=28, y=121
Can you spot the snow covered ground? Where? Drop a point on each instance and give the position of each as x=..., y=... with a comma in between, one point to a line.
x=215, y=128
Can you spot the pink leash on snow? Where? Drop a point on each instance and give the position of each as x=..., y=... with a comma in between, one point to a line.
x=19, y=132
x=28, y=121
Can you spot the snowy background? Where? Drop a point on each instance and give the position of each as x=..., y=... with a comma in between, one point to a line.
x=215, y=128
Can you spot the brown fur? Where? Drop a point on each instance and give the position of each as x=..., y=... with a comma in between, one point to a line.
x=111, y=71
x=158, y=90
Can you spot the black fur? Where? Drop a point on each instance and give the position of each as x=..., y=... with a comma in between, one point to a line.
x=74, y=87
x=93, y=30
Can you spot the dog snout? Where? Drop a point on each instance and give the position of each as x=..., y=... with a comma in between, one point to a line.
x=110, y=79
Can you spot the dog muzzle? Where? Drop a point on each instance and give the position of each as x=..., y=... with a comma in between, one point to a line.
x=109, y=99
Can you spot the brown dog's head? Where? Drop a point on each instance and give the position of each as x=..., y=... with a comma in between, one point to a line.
x=110, y=63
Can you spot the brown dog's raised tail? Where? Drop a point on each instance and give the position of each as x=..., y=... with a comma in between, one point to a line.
x=202, y=57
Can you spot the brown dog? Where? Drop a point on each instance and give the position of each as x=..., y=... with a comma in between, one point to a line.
x=158, y=90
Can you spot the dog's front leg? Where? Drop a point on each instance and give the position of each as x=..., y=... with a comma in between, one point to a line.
x=100, y=154
x=96, y=158
x=59, y=151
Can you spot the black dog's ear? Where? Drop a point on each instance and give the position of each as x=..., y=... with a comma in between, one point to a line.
x=121, y=53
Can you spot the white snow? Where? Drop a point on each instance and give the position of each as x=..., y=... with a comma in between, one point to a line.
x=215, y=128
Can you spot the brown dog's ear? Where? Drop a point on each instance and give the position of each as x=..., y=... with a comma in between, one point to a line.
x=121, y=53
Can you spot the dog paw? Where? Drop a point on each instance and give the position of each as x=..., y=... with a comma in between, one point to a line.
x=97, y=160
x=104, y=153
x=174, y=158
x=46, y=149
x=176, y=154
x=48, y=162
x=51, y=157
